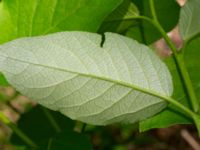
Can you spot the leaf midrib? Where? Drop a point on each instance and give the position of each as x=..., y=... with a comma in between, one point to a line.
x=125, y=84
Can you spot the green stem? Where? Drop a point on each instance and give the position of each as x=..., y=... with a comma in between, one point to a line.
x=17, y=131
x=51, y=120
x=178, y=59
x=197, y=122
x=83, y=127
x=153, y=11
x=179, y=105
x=49, y=146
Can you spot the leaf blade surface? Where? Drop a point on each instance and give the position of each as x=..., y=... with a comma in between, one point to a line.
x=189, y=19
x=122, y=81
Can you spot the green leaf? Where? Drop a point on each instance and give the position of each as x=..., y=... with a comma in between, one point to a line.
x=36, y=126
x=3, y=81
x=167, y=12
x=69, y=140
x=19, y=18
x=192, y=62
x=197, y=123
x=121, y=18
x=135, y=33
x=123, y=81
x=189, y=24
x=16, y=147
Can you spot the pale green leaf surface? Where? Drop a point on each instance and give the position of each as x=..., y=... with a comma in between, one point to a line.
x=70, y=72
x=190, y=19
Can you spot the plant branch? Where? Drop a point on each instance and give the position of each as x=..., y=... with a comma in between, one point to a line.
x=17, y=131
x=153, y=11
x=190, y=139
x=178, y=59
x=181, y=106
x=51, y=120
x=83, y=127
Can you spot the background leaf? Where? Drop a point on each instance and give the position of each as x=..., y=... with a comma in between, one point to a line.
x=191, y=55
x=121, y=18
x=19, y=18
x=189, y=19
x=20, y=147
x=3, y=81
x=69, y=140
x=36, y=125
x=119, y=82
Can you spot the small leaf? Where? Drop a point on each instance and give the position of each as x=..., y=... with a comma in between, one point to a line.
x=191, y=57
x=37, y=127
x=197, y=123
x=189, y=19
x=121, y=18
x=123, y=81
x=135, y=33
x=3, y=81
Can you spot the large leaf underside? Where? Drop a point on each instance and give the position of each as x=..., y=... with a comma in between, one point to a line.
x=121, y=81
